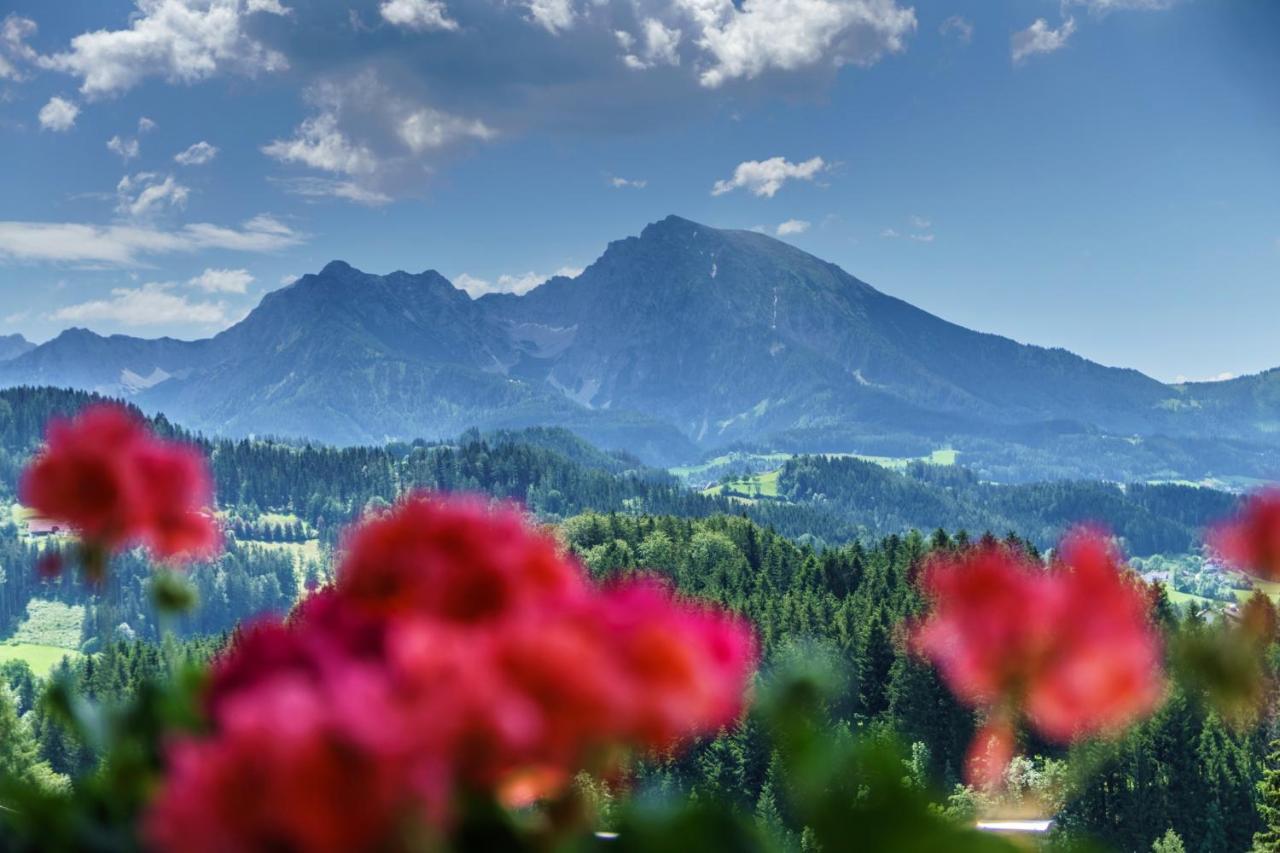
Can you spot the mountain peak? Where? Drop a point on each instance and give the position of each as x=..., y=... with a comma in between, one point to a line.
x=338, y=268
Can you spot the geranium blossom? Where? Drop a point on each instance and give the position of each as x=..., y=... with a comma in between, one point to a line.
x=115, y=484
x=1251, y=541
x=1071, y=648
x=459, y=652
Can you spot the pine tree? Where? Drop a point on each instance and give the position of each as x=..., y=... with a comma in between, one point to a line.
x=1269, y=802
x=1170, y=842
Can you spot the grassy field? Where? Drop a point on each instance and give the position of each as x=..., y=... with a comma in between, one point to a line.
x=50, y=623
x=303, y=553
x=40, y=658
x=764, y=484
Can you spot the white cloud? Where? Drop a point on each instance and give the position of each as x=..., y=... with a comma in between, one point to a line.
x=659, y=45
x=920, y=222
x=417, y=14
x=793, y=226
x=153, y=304
x=1102, y=7
x=765, y=177
x=14, y=51
x=890, y=234
x=146, y=125
x=922, y=238
x=196, y=155
x=744, y=41
x=59, y=115
x=521, y=283
x=383, y=141
x=222, y=281
x=147, y=192
x=289, y=279
x=333, y=188
x=126, y=148
x=321, y=145
x=125, y=245
x=1040, y=38
x=624, y=183
x=555, y=16
x=958, y=27
x=180, y=40
x=1221, y=377
x=426, y=128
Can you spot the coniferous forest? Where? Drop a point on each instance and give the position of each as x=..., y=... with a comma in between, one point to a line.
x=835, y=592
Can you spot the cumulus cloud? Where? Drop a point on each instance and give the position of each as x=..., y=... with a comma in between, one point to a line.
x=319, y=144
x=625, y=183
x=1040, y=38
x=658, y=44
x=196, y=155
x=765, y=177
x=147, y=193
x=222, y=281
x=417, y=14
x=178, y=40
x=146, y=125
x=426, y=128
x=126, y=245
x=14, y=52
x=957, y=27
x=743, y=41
x=555, y=16
x=793, y=226
x=59, y=115
x=126, y=148
x=520, y=283
x=380, y=141
x=153, y=304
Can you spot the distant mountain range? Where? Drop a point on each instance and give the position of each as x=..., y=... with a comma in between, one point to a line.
x=678, y=342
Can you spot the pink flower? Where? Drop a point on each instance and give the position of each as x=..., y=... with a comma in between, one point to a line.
x=454, y=560
x=115, y=484
x=459, y=653
x=1072, y=649
x=1251, y=541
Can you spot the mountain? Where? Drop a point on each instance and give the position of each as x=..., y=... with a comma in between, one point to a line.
x=12, y=346
x=679, y=341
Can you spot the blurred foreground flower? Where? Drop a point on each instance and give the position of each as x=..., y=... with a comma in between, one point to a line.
x=459, y=656
x=1251, y=541
x=115, y=484
x=1072, y=649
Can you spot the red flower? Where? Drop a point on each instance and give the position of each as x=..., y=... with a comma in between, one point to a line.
x=115, y=484
x=687, y=665
x=291, y=769
x=1251, y=541
x=459, y=653
x=456, y=560
x=1072, y=648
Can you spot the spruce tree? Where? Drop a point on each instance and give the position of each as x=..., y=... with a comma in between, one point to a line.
x=1269, y=802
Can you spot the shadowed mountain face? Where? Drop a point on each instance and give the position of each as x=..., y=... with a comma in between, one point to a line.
x=681, y=339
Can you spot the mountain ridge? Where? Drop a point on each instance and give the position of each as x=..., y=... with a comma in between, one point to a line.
x=677, y=341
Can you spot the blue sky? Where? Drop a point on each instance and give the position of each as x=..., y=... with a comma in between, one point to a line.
x=1102, y=175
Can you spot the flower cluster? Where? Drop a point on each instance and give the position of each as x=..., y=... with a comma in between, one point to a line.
x=1251, y=541
x=105, y=476
x=1072, y=649
x=459, y=653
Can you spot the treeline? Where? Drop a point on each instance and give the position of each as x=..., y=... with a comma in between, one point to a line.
x=1150, y=519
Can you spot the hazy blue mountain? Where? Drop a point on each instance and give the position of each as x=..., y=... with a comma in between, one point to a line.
x=12, y=346
x=681, y=340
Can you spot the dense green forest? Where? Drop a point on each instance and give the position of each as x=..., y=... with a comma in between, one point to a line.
x=824, y=570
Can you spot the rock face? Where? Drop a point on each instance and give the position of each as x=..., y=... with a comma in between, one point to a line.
x=684, y=338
